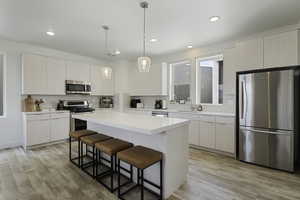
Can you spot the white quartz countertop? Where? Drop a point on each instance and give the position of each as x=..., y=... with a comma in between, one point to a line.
x=185, y=112
x=46, y=112
x=142, y=124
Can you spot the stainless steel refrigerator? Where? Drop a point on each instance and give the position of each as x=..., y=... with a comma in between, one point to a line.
x=267, y=116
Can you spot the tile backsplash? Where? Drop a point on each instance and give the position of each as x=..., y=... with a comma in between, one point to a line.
x=51, y=101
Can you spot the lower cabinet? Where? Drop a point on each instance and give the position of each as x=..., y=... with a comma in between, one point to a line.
x=225, y=137
x=45, y=128
x=38, y=131
x=207, y=134
x=59, y=127
x=194, y=132
x=209, y=131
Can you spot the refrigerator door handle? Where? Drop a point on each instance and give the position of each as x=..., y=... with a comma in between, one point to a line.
x=242, y=100
x=282, y=132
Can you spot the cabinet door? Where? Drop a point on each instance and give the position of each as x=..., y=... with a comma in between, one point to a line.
x=207, y=134
x=38, y=131
x=225, y=137
x=60, y=128
x=78, y=71
x=281, y=50
x=230, y=69
x=151, y=83
x=56, y=73
x=34, y=74
x=249, y=54
x=101, y=85
x=194, y=138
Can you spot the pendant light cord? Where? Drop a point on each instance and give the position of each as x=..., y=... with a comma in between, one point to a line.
x=144, y=47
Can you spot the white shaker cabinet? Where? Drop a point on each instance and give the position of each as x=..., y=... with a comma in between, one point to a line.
x=56, y=76
x=282, y=49
x=41, y=128
x=230, y=70
x=59, y=126
x=249, y=54
x=34, y=74
x=150, y=83
x=78, y=71
x=193, y=134
x=37, y=129
x=207, y=131
x=225, y=134
x=100, y=84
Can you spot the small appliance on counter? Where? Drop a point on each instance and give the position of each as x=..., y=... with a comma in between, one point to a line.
x=160, y=104
x=106, y=102
x=134, y=102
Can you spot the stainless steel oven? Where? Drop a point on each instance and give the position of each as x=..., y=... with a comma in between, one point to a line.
x=78, y=87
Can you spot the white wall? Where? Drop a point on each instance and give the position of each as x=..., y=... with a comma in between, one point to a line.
x=1, y=84
x=10, y=127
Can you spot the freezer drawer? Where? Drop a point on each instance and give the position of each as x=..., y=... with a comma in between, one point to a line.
x=281, y=152
x=253, y=147
x=273, y=149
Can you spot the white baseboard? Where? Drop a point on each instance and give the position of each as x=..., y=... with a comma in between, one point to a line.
x=10, y=145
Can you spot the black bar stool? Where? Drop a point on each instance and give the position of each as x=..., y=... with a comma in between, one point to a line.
x=76, y=135
x=90, y=141
x=111, y=148
x=141, y=158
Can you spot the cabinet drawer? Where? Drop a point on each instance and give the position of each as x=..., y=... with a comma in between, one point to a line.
x=37, y=117
x=60, y=115
x=225, y=120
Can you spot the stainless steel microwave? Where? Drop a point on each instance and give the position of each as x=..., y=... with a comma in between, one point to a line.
x=78, y=87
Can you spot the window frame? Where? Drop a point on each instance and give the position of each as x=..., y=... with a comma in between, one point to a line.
x=171, y=83
x=198, y=79
x=4, y=84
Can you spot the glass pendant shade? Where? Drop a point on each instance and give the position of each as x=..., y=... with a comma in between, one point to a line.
x=144, y=64
x=107, y=73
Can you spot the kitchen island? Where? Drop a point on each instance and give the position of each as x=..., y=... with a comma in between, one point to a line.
x=167, y=135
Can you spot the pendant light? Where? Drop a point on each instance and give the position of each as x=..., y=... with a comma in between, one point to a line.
x=144, y=62
x=107, y=71
x=108, y=52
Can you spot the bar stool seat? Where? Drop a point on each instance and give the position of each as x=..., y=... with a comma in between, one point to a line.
x=81, y=133
x=111, y=148
x=77, y=135
x=91, y=140
x=140, y=157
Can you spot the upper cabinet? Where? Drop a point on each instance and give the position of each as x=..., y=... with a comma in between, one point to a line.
x=249, y=54
x=150, y=83
x=101, y=85
x=78, y=71
x=34, y=74
x=282, y=49
x=56, y=76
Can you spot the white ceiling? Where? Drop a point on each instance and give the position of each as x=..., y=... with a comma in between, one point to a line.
x=175, y=23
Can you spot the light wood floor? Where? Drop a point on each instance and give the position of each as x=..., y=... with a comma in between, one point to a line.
x=46, y=173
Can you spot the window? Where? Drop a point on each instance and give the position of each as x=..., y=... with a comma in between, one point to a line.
x=180, y=81
x=209, y=74
x=2, y=85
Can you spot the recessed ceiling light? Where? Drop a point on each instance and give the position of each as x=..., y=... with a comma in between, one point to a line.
x=153, y=40
x=117, y=52
x=189, y=46
x=214, y=18
x=187, y=64
x=50, y=33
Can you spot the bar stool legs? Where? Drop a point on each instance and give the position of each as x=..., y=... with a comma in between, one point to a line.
x=140, y=182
